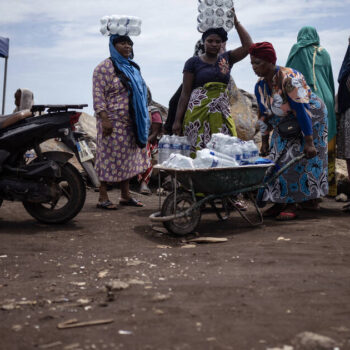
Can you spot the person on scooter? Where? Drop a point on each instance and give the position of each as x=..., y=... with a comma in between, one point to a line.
x=24, y=100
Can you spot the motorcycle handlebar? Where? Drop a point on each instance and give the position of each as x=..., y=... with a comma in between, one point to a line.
x=55, y=108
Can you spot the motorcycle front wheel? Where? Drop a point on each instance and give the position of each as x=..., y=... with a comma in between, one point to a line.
x=71, y=199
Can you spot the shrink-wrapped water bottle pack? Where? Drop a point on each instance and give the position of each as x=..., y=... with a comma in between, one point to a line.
x=215, y=14
x=121, y=25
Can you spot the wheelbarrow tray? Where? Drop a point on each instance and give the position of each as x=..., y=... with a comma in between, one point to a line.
x=219, y=180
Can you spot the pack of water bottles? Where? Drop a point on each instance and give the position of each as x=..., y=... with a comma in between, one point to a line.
x=121, y=25
x=215, y=14
x=243, y=152
x=173, y=144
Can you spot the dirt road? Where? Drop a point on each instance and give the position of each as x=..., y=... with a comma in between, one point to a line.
x=256, y=291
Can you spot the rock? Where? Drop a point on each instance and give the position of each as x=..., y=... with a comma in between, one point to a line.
x=313, y=341
x=117, y=285
x=244, y=112
x=161, y=297
x=342, y=197
x=17, y=327
x=8, y=307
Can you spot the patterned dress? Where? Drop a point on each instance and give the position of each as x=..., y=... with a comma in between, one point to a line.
x=118, y=158
x=308, y=178
x=208, y=110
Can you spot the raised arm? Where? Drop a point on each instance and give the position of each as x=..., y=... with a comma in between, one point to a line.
x=240, y=53
x=183, y=102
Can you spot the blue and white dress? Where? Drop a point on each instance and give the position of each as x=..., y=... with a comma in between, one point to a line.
x=307, y=179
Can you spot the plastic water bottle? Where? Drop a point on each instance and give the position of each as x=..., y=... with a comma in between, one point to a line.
x=234, y=151
x=164, y=148
x=175, y=144
x=178, y=161
x=253, y=150
x=246, y=151
x=185, y=146
x=206, y=159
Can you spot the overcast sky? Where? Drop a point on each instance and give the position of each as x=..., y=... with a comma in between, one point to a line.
x=55, y=44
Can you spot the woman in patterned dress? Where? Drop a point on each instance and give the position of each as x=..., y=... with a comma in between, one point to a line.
x=203, y=107
x=283, y=92
x=120, y=104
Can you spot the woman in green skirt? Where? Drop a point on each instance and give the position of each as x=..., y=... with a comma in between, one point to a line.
x=203, y=107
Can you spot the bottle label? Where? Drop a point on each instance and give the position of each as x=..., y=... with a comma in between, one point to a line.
x=214, y=163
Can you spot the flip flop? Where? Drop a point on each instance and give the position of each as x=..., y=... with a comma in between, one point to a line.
x=131, y=202
x=286, y=216
x=106, y=205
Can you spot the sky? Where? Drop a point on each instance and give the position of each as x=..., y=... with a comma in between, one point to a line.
x=56, y=44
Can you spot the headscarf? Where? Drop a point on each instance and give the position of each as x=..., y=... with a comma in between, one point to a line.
x=304, y=52
x=343, y=91
x=313, y=61
x=264, y=51
x=27, y=100
x=218, y=31
x=199, y=48
x=139, y=89
x=345, y=67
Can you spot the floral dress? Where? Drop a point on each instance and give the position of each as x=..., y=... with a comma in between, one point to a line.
x=118, y=158
x=208, y=110
x=307, y=179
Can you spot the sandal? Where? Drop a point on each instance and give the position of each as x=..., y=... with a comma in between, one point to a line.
x=131, y=202
x=274, y=211
x=286, y=216
x=107, y=205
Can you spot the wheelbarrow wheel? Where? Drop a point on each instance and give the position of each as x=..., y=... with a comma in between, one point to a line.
x=186, y=224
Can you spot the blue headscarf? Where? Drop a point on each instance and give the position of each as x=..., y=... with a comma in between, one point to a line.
x=139, y=89
x=345, y=67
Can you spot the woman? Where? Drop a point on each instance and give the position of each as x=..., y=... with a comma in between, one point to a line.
x=343, y=138
x=120, y=103
x=313, y=61
x=204, y=92
x=152, y=144
x=282, y=92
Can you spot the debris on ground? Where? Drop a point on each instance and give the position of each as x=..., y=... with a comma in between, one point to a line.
x=313, y=341
x=207, y=240
x=73, y=323
x=116, y=285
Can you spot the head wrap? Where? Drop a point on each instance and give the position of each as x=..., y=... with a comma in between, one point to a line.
x=345, y=67
x=264, y=51
x=27, y=100
x=122, y=39
x=307, y=38
x=139, y=89
x=218, y=31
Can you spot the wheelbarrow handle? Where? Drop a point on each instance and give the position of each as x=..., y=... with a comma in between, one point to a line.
x=284, y=168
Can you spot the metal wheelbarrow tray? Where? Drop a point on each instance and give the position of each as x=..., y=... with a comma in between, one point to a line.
x=181, y=210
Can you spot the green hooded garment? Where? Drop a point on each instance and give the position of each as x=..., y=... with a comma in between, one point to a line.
x=313, y=61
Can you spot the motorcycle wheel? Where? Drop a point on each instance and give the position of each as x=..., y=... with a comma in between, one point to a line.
x=68, y=205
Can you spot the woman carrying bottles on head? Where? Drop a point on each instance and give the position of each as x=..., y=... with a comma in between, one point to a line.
x=203, y=107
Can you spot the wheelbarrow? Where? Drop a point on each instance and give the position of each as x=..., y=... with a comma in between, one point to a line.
x=181, y=210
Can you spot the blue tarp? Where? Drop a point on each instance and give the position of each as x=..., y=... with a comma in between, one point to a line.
x=4, y=47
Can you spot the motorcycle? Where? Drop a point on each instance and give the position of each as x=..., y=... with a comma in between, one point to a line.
x=51, y=189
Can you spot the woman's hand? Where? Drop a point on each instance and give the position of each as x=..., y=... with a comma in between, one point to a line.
x=309, y=149
x=235, y=20
x=107, y=127
x=177, y=127
x=265, y=146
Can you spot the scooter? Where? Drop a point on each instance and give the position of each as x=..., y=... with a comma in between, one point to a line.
x=50, y=188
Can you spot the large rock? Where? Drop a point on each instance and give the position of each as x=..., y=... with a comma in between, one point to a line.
x=244, y=111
